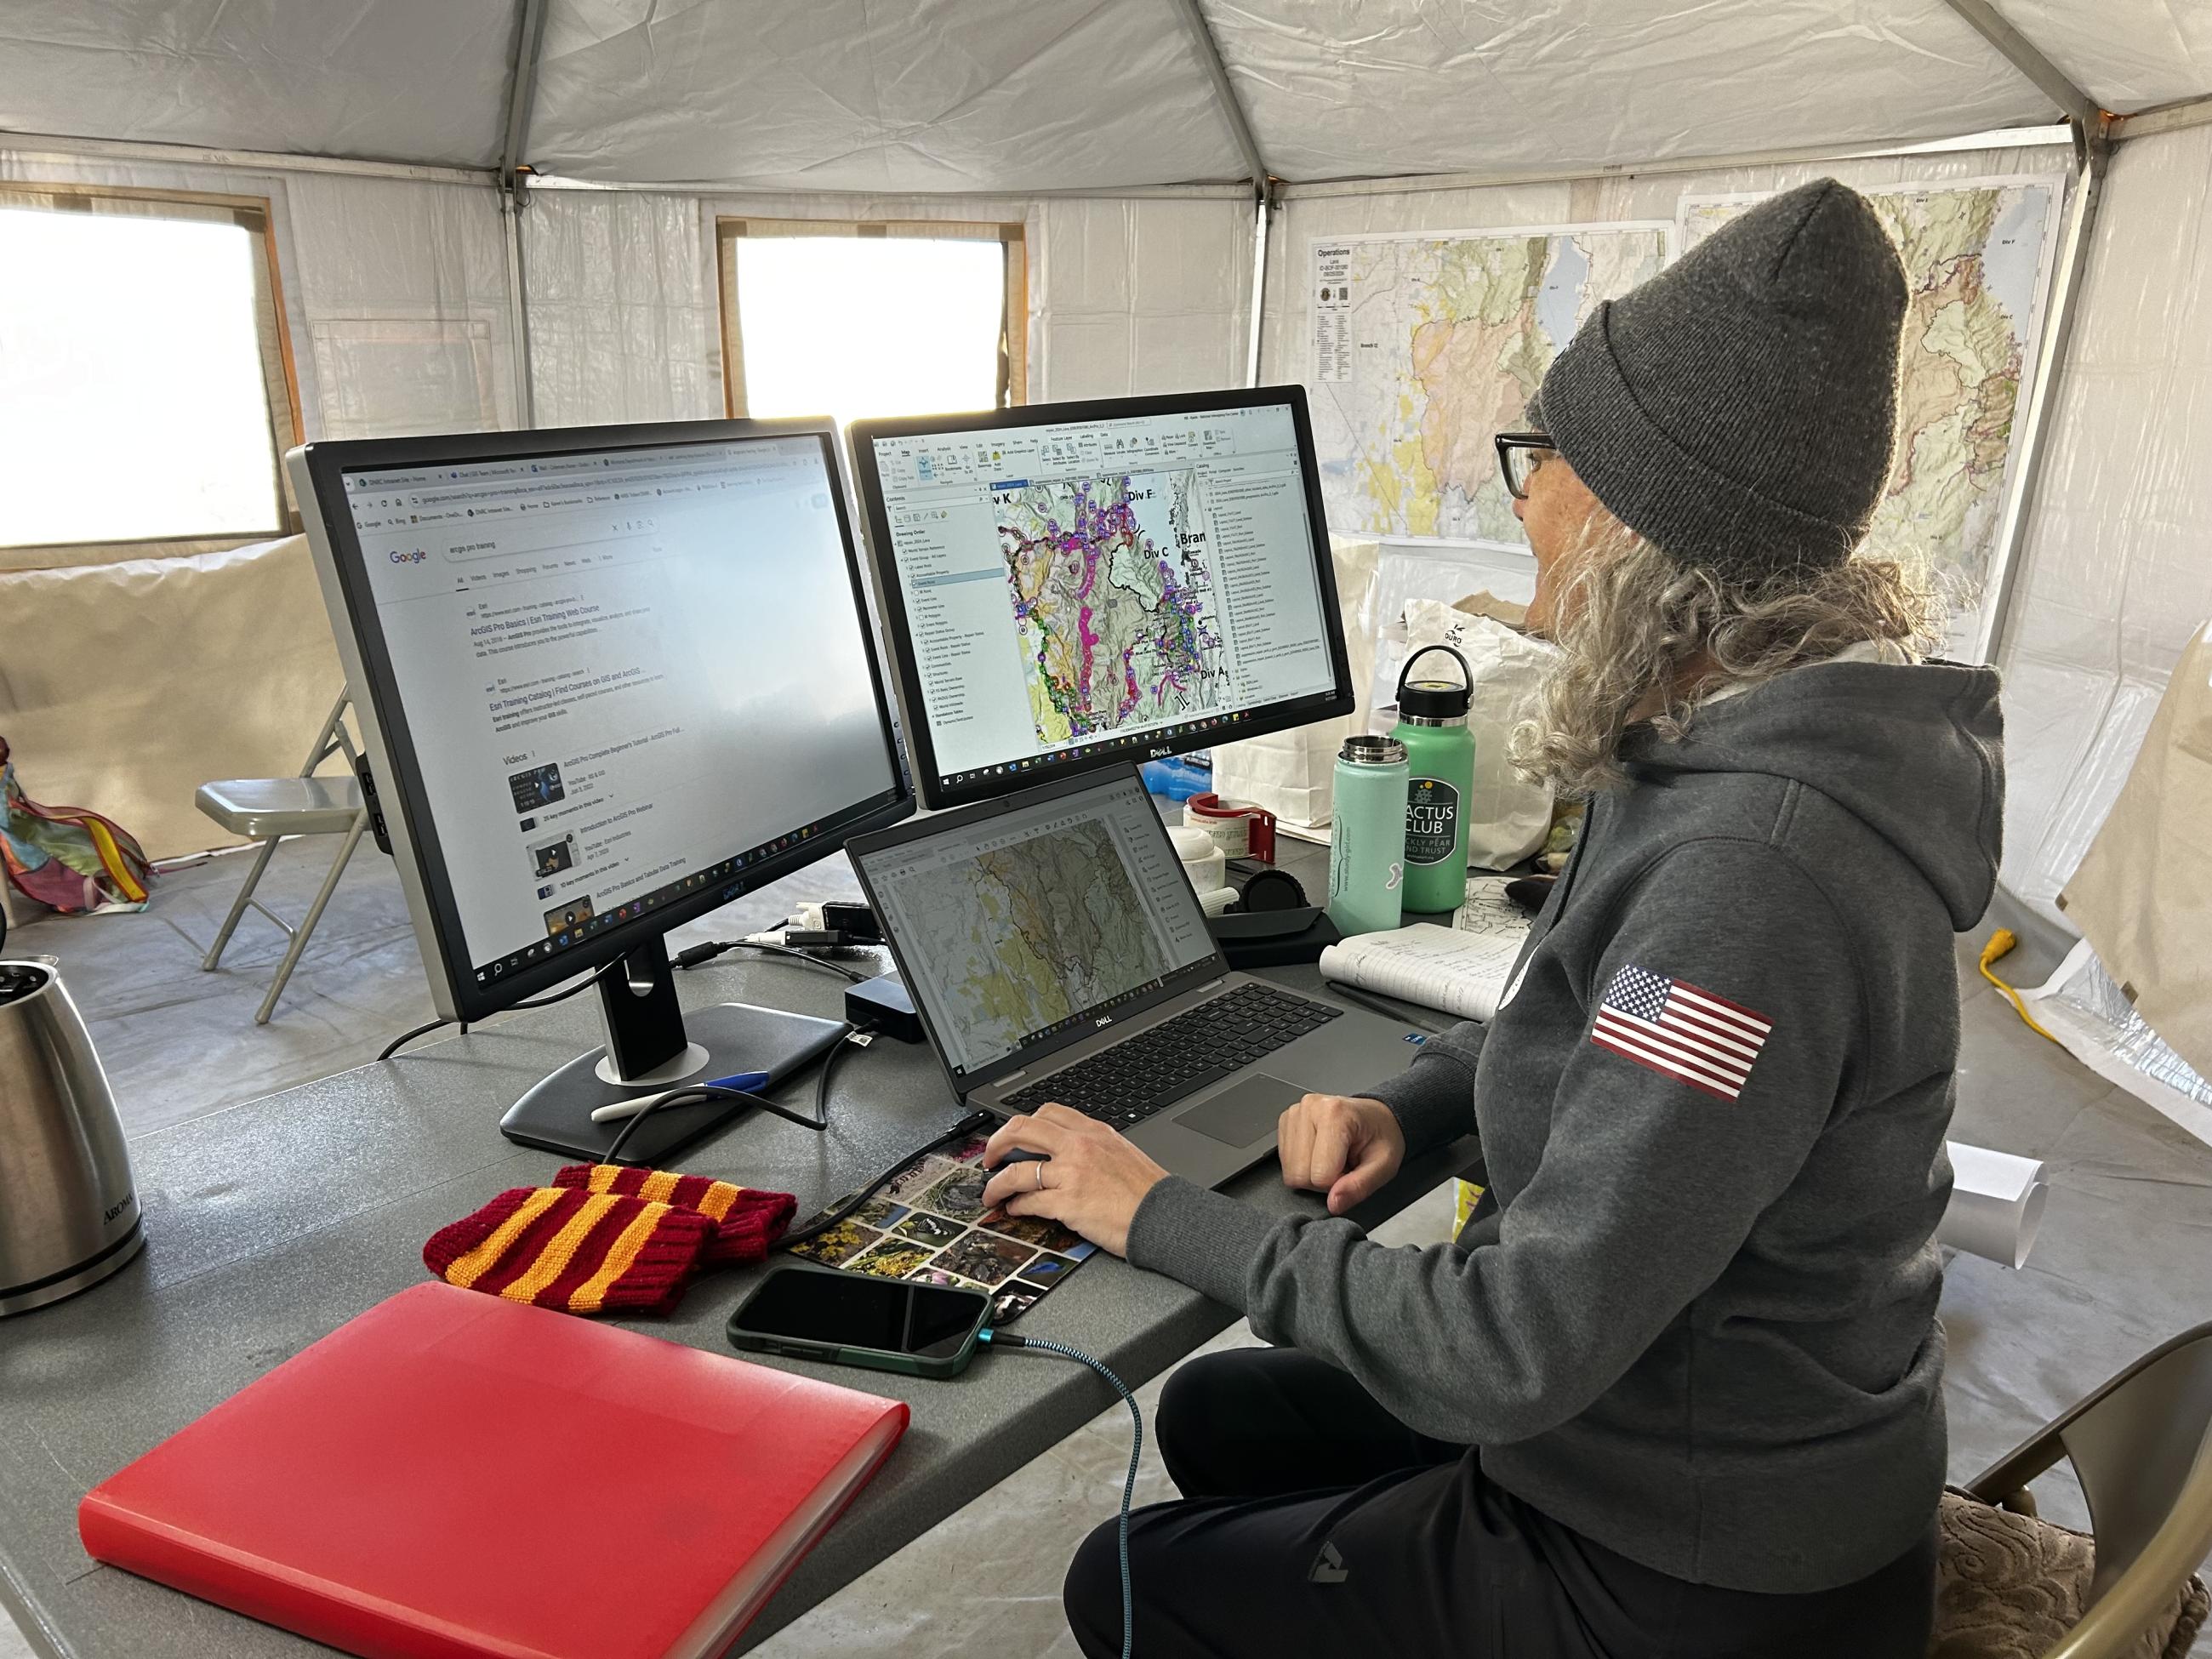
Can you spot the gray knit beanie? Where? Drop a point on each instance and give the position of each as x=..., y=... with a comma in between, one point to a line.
x=1739, y=409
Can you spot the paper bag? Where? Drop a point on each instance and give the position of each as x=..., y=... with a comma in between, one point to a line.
x=1292, y=773
x=2142, y=896
x=1507, y=816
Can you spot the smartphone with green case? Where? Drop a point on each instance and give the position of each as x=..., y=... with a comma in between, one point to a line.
x=852, y=1319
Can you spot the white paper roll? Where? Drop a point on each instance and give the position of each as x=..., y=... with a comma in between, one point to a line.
x=1997, y=1204
x=1217, y=902
x=1232, y=835
x=1202, y=859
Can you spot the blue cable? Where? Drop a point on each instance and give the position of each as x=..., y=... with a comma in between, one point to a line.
x=1008, y=1340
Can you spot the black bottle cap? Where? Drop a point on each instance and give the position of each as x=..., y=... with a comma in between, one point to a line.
x=1435, y=700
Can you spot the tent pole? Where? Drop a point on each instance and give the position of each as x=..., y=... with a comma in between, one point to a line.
x=2032, y=428
x=1408, y=183
x=1232, y=110
x=1262, y=210
x=513, y=184
x=2163, y=118
x=2024, y=55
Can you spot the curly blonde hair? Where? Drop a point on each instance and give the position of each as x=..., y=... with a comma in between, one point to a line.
x=1632, y=619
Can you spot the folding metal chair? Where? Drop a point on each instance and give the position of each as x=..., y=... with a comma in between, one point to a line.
x=2141, y=1446
x=267, y=810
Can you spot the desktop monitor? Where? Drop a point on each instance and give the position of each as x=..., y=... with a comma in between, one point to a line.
x=608, y=678
x=1070, y=586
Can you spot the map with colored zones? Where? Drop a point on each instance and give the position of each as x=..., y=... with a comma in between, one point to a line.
x=1425, y=347
x=1032, y=933
x=1977, y=254
x=1112, y=581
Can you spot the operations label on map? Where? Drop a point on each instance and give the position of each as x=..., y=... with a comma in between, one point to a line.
x=1332, y=311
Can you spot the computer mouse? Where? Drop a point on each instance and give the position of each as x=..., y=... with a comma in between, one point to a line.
x=1022, y=1155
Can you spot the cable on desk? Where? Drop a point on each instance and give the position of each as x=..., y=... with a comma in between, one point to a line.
x=1008, y=1340
x=696, y=954
x=577, y=989
x=967, y=1126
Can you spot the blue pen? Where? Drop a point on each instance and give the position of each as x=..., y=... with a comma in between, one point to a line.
x=746, y=1082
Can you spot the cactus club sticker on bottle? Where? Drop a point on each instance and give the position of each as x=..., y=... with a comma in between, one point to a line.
x=1432, y=821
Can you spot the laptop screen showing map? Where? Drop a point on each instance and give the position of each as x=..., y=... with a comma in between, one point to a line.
x=1069, y=592
x=1016, y=926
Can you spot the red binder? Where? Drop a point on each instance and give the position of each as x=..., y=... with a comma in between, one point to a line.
x=453, y=1473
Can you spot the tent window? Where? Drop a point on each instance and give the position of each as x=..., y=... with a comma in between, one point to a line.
x=145, y=392
x=853, y=319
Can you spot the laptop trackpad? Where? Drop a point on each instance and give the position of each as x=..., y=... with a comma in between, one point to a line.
x=1240, y=1115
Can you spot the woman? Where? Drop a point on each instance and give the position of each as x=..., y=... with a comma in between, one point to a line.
x=1678, y=1392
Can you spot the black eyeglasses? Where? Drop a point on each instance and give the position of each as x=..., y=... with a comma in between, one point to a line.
x=1519, y=455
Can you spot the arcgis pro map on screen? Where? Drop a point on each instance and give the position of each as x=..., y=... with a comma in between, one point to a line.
x=1111, y=582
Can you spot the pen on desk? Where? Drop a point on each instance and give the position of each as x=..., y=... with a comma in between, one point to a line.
x=746, y=1082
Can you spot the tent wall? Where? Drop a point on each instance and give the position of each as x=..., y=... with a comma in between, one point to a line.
x=396, y=300
x=2116, y=577
x=124, y=685
x=1126, y=295
x=2110, y=577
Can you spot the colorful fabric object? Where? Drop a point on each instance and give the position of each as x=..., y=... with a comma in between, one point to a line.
x=67, y=858
x=572, y=1250
x=607, y=1240
x=746, y=1221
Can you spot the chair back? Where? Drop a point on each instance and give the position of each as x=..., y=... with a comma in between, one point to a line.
x=2141, y=1447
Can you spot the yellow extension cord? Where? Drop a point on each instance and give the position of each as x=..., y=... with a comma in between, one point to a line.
x=2001, y=943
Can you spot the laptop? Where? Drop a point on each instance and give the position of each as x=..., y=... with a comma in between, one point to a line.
x=1054, y=951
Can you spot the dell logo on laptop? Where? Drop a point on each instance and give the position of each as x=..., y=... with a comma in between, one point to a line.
x=1104, y=1020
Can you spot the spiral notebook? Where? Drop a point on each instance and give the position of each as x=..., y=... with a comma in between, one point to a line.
x=1452, y=969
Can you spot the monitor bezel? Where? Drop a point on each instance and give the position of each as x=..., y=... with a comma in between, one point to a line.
x=318, y=470
x=1204, y=971
x=891, y=592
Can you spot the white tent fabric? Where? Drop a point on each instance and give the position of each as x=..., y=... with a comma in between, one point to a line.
x=1010, y=95
x=1030, y=95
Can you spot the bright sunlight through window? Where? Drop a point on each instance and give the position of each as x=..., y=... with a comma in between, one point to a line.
x=855, y=326
x=133, y=403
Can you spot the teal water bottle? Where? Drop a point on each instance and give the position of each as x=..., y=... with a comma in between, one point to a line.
x=1367, y=835
x=1440, y=777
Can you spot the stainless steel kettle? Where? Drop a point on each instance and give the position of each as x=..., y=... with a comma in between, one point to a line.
x=69, y=1210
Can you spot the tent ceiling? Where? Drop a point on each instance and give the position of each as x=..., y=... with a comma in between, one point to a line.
x=392, y=80
x=1019, y=95
x=859, y=94
x=1410, y=86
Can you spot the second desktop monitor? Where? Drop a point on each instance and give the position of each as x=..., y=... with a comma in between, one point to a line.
x=1077, y=585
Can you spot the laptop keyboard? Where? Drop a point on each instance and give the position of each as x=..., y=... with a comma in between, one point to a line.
x=1126, y=1084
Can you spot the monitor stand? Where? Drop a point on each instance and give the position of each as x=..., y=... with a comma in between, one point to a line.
x=653, y=1045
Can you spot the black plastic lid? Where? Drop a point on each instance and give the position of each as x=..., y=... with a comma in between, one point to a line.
x=1436, y=700
x=22, y=978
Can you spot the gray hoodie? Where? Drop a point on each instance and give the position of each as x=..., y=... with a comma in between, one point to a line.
x=1699, y=1326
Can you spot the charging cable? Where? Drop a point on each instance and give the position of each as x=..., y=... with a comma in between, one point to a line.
x=1008, y=1340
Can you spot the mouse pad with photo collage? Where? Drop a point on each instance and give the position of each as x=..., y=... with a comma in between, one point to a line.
x=929, y=1224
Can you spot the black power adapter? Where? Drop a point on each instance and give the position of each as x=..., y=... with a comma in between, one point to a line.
x=882, y=1004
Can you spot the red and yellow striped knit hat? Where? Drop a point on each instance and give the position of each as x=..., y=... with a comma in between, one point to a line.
x=603, y=1239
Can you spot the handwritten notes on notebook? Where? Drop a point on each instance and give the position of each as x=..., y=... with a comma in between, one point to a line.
x=1461, y=973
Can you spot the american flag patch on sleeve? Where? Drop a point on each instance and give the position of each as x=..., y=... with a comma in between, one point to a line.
x=1672, y=1027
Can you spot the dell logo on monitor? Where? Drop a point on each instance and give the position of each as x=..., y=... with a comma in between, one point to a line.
x=1157, y=754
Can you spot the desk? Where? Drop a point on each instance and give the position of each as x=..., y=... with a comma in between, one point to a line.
x=272, y=1223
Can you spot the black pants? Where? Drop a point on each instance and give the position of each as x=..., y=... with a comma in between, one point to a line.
x=1313, y=1522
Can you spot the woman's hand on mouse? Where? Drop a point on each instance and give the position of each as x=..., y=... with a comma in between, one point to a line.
x=1091, y=1179
x=1345, y=1145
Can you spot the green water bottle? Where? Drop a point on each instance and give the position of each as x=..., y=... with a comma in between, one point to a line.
x=1440, y=776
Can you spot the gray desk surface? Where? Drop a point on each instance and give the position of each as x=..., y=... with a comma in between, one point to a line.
x=273, y=1222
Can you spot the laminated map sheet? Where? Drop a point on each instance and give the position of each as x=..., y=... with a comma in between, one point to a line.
x=1978, y=258
x=1427, y=345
